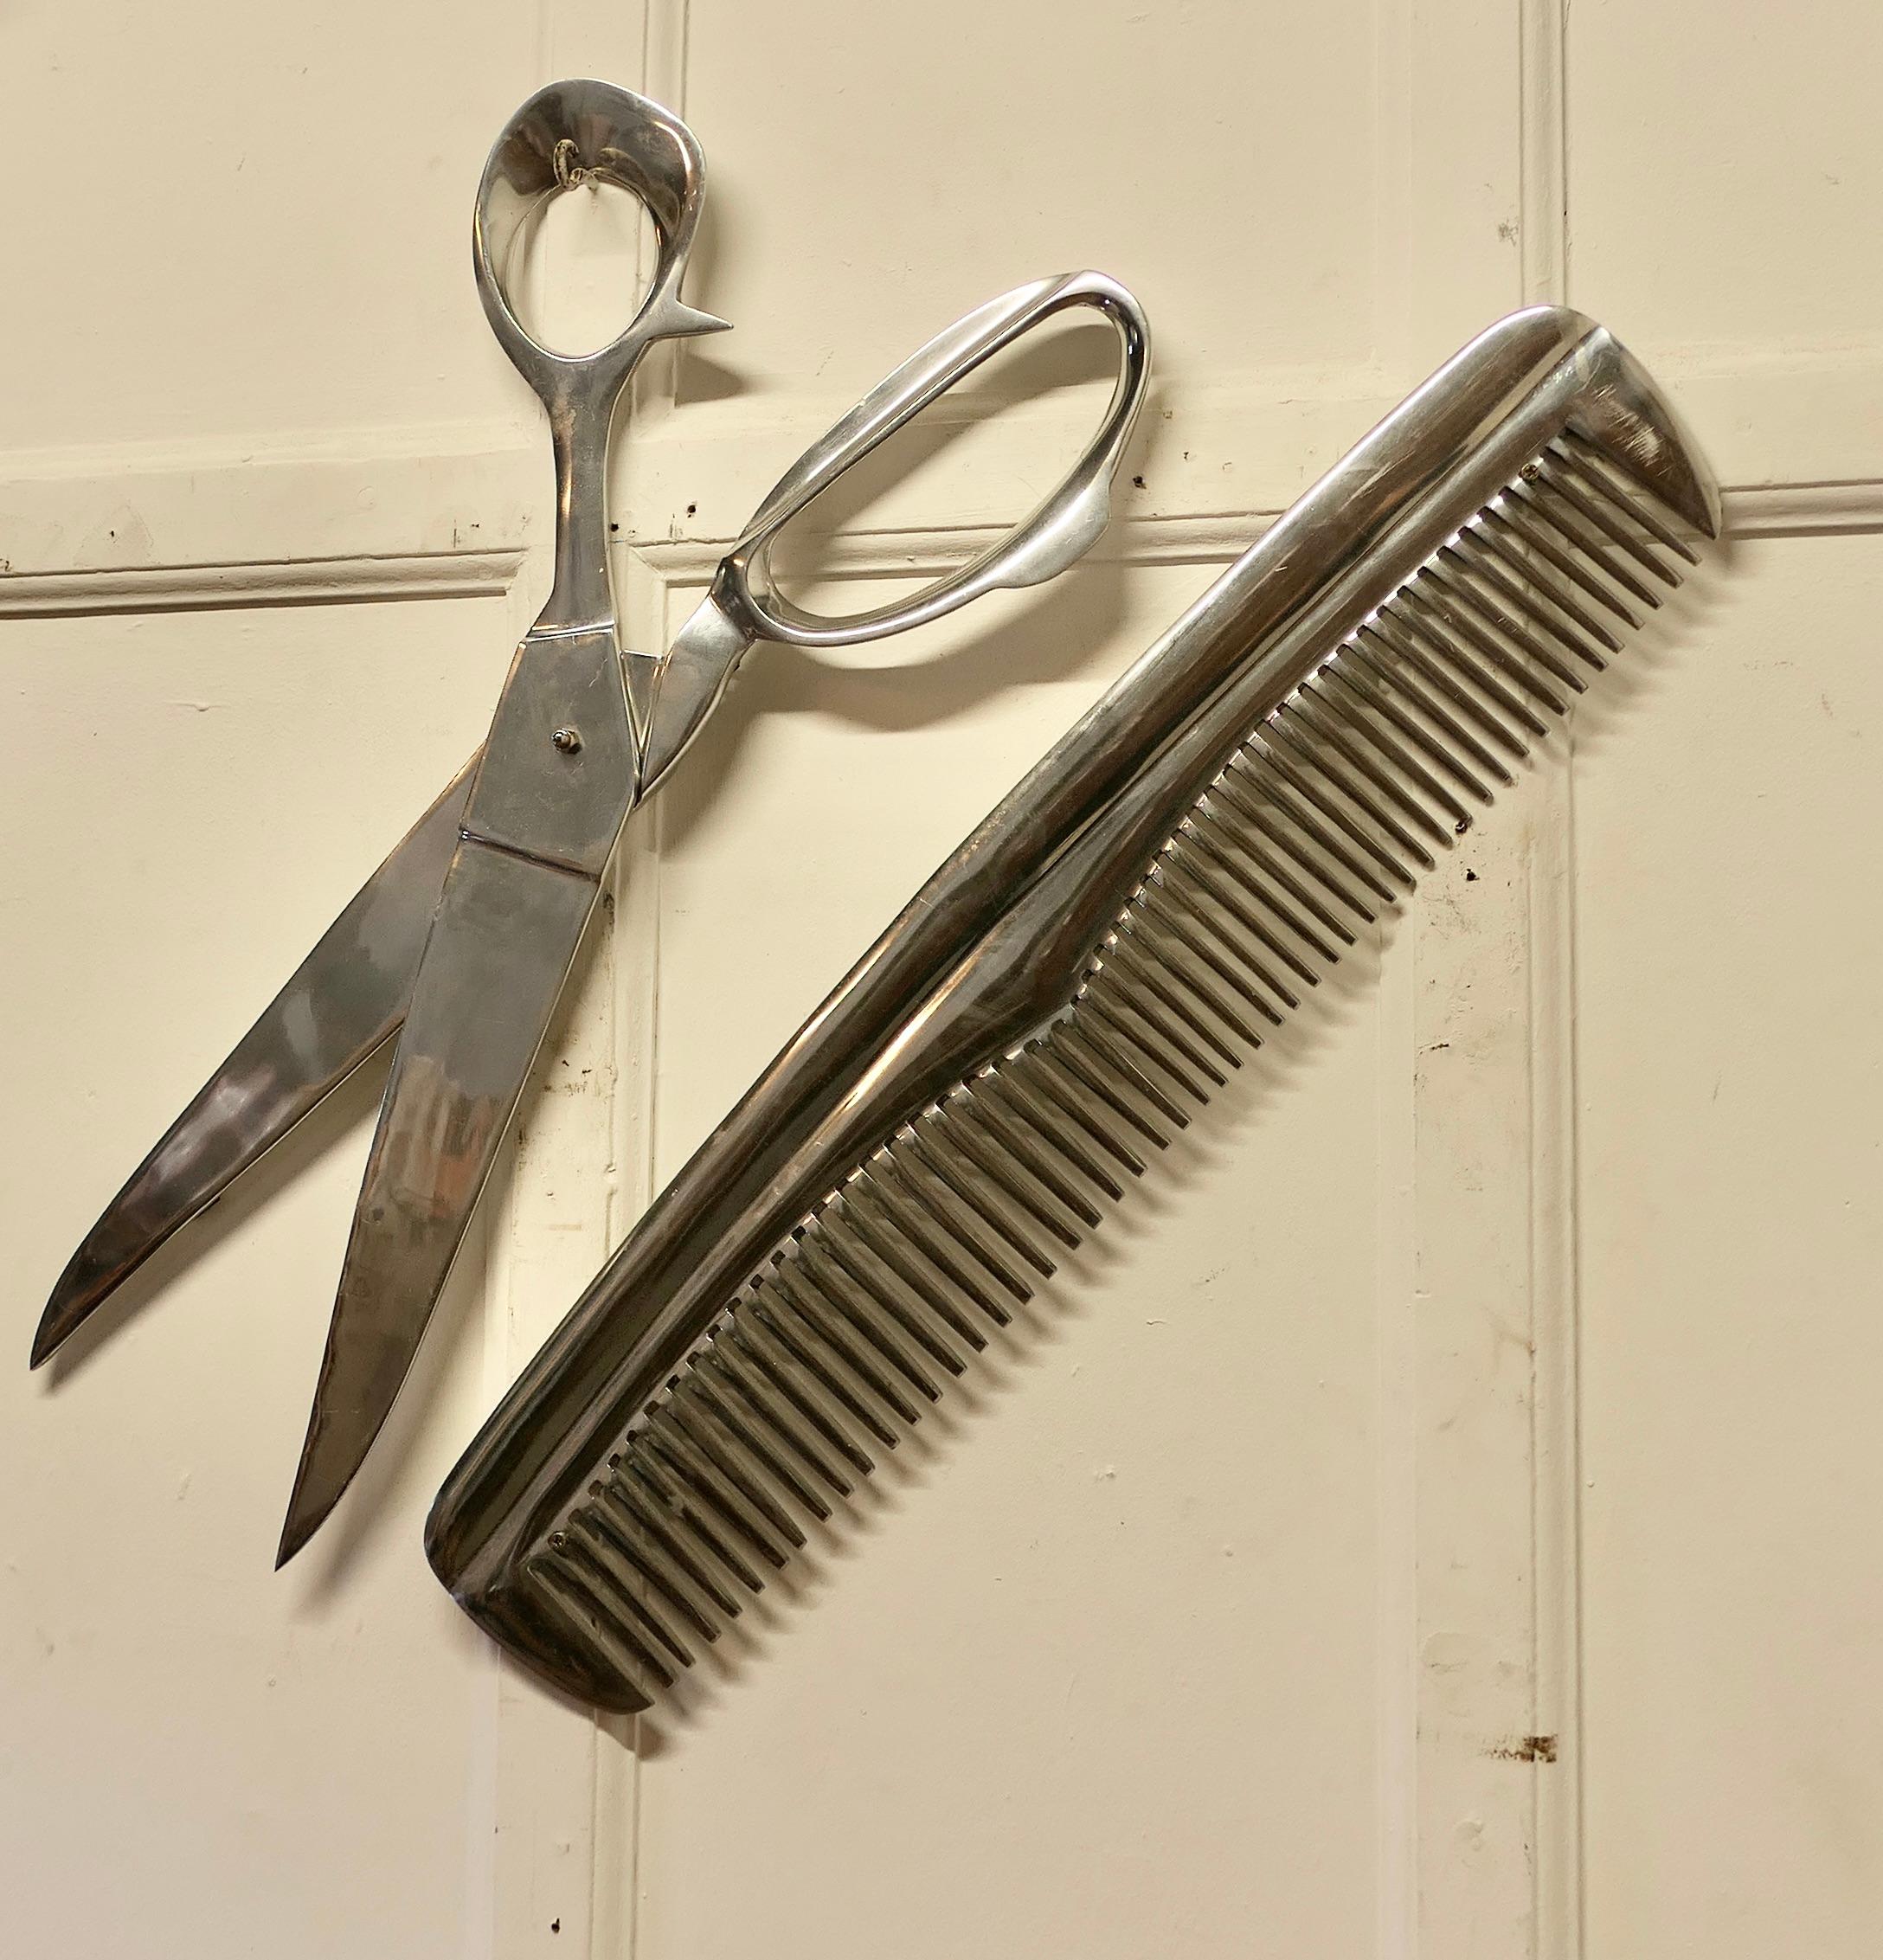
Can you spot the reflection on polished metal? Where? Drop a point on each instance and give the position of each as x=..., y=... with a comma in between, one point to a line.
x=466, y=935
x=1163, y=887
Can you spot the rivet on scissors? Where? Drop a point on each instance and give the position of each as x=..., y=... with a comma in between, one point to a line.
x=567, y=740
x=568, y=169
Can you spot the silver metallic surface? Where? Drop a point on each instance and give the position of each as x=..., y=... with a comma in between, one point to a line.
x=743, y=607
x=1265, y=782
x=343, y=1000
x=465, y=936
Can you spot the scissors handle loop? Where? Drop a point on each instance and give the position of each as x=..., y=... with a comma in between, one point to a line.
x=569, y=133
x=1050, y=538
x=564, y=135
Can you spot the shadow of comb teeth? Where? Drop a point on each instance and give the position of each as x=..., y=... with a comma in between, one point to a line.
x=854, y=1250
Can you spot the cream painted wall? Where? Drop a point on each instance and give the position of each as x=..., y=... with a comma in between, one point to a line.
x=1493, y=1364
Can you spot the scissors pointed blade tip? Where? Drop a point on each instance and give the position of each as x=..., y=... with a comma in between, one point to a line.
x=315, y=1494
x=82, y=1287
x=296, y=1530
x=48, y=1335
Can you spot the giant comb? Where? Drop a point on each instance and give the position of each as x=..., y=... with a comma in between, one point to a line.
x=1158, y=894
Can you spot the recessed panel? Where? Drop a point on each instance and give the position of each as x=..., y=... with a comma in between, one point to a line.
x=1730, y=960
x=204, y=1756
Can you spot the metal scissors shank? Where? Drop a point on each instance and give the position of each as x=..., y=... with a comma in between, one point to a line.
x=460, y=943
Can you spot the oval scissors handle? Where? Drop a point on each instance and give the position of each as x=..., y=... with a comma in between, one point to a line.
x=743, y=605
x=562, y=135
x=1061, y=528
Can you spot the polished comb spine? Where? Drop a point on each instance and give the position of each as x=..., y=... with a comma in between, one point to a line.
x=1151, y=903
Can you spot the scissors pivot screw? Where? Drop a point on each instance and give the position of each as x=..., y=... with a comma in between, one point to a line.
x=567, y=740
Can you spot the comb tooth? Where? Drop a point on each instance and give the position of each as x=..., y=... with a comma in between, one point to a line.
x=1260, y=749
x=816, y=1276
x=1594, y=467
x=939, y=1164
x=1092, y=1069
x=816, y=1319
x=939, y=1189
x=1132, y=978
x=1333, y=696
x=1169, y=902
x=1372, y=754
x=801, y=1337
x=1424, y=620
x=1542, y=503
x=1136, y=973
x=1117, y=1038
x=1340, y=668
x=620, y=1504
x=1462, y=614
x=691, y=1419
x=1182, y=874
x=725, y=1409
x=1081, y=1104
x=595, y=1562
x=1519, y=581
x=587, y=1630
x=854, y=1345
x=759, y=1438
x=907, y=1263
x=1236, y=856
x=879, y=1294
x=1236, y=803
x=1200, y=980
x=776, y=1362
x=1278, y=744
x=1522, y=617
x=1023, y=1141
x=923, y=1209
x=1401, y=663
x=1560, y=475
x=1258, y=836
x=1333, y=720
x=595, y=1621
x=940, y=1245
x=1154, y=921
x=1021, y=1092
x=764, y=1390
x=688, y=1467
x=1279, y=730
x=1233, y=790
x=1509, y=511
x=675, y=1496
x=821, y=1297
x=1002, y=1167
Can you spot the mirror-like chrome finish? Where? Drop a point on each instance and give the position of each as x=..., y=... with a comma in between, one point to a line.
x=464, y=938
x=1094, y=948
x=743, y=607
x=345, y=999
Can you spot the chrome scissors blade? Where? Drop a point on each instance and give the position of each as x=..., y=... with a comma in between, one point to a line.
x=557, y=779
x=345, y=999
x=500, y=950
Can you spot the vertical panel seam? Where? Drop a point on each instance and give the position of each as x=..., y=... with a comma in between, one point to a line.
x=1543, y=140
